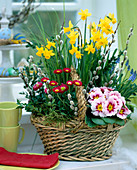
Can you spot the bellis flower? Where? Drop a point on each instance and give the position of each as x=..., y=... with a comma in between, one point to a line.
x=37, y=86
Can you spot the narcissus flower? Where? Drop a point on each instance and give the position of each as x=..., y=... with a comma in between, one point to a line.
x=73, y=50
x=77, y=83
x=90, y=48
x=53, y=83
x=50, y=44
x=37, y=86
x=63, y=88
x=40, y=51
x=58, y=71
x=56, y=90
x=69, y=83
x=84, y=14
x=67, y=70
x=67, y=29
x=48, y=53
x=78, y=55
x=44, y=79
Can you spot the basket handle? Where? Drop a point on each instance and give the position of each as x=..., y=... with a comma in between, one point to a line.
x=80, y=96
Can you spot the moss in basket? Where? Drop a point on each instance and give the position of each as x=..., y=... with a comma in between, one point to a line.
x=95, y=63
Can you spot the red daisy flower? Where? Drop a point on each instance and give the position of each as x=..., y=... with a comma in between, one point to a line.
x=69, y=83
x=63, y=88
x=58, y=71
x=37, y=86
x=44, y=79
x=77, y=83
x=56, y=90
x=53, y=83
x=67, y=70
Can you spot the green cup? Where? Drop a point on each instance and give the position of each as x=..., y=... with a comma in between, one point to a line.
x=9, y=137
x=9, y=114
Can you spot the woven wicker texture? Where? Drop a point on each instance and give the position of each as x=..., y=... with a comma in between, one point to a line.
x=88, y=144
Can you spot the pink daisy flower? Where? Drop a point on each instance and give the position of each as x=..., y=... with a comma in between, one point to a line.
x=122, y=114
x=97, y=107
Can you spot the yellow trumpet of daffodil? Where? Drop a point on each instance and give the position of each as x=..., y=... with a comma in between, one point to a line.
x=50, y=44
x=67, y=29
x=90, y=49
x=113, y=20
x=84, y=14
x=40, y=51
x=73, y=50
x=78, y=55
x=73, y=36
x=48, y=53
x=103, y=41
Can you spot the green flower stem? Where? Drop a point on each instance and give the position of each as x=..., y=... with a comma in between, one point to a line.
x=61, y=99
x=85, y=31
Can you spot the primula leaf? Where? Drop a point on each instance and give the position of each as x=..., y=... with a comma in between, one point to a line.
x=109, y=120
x=120, y=122
x=98, y=121
x=89, y=122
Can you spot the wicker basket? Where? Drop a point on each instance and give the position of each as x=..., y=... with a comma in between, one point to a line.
x=87, y=144
x=74, y=140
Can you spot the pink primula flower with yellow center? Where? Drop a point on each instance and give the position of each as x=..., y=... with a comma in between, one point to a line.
x=122, y=114
x=95, y=95
x=98, y=107
x=110, y=107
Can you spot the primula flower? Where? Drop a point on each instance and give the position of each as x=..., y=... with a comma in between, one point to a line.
x=56, y=90
x=84, y=14
x=53, y=83
x=90, y=49
x=77, y=83
x=44, y=79
x=63, y=88
x=50, y=44
x=37, y=86
x=122, y=114
x=69, y=83
x=58, y=71
x=67, y=70
x=78, y=55
x=97, y=107
x=40, y=51
x=110, y=107
x=48, y=53
x=95, y=95
x=67, y=29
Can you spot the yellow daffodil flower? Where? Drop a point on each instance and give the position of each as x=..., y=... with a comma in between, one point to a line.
x=73, y=50
x=113, y=20
x=103, y=41
x=40, y=51
x=50, y=44
x=90, y=49
x=84, y=14
x=67, y=29
x=97, y=45
x=78, y=55
x=48, y=53
x=73, y=36
x=96, y=36
x=92, y=26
